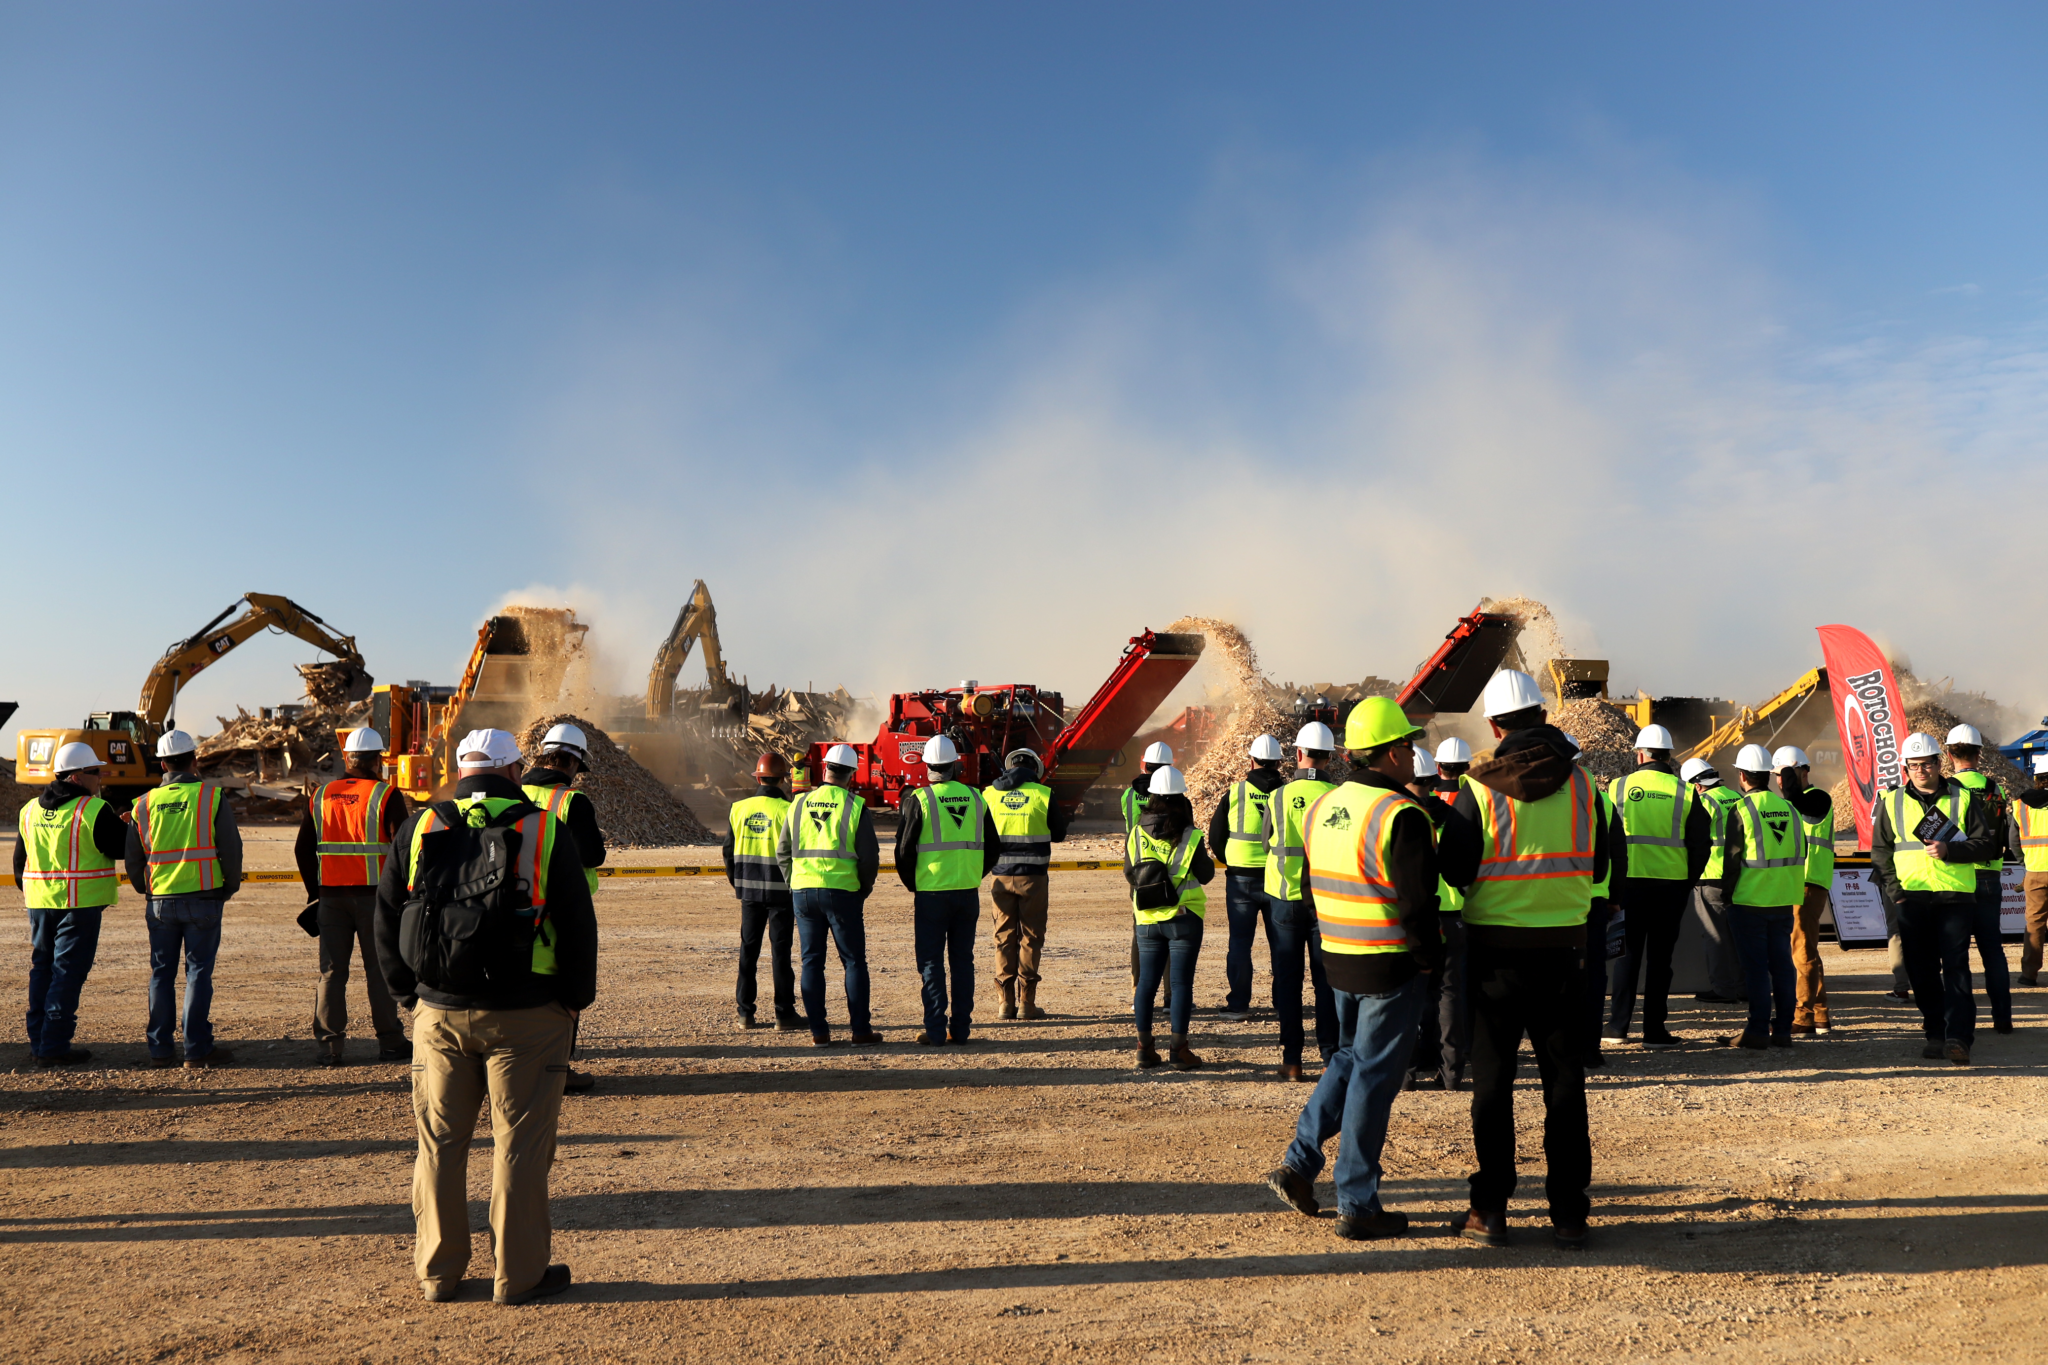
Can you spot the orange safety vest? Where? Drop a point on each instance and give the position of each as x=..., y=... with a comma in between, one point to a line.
x=1347, y=832
x=348, y=821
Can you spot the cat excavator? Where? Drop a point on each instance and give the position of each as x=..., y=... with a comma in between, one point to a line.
x=696, y=623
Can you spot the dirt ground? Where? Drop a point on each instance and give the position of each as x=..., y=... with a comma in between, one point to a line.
x=744, y=1196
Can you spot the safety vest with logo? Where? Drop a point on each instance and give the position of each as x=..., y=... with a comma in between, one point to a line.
x=822, y=824
x=555, y=801
x=1535, y=857
x=2033, y=827
x=1653, y=808
x=1133, y=808
x=1820, y=849
x=1773, y=852
x=65, y=868
x=1981, y=789
x=1916, y=869
x=1246, y=846
x=1347, y=832
x=1719, y=801
x=536, y=848
x=348, y=821
x=1023, y=816
x=174, y=824
x=754, y=823
x=1286, y=808
x=950, y=854
x=1180, y=866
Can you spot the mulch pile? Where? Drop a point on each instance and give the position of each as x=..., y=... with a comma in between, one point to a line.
x=1606, y=737
x=633, y=809
x=1253, y=714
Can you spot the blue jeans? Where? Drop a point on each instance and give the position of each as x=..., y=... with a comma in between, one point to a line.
x=61, y=948
x=1991, y=946
x=1292, y=936
x=200, y=943
x=841, y=915
x=1375, y=1035
x=1935, y=938
x=1764, y=943
x=1244, y=904
x=1177, y=941
x=944, y=922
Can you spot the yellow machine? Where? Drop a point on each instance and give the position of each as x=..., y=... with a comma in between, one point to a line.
x=697, y=622
x=1771, y=720
x=126, y=740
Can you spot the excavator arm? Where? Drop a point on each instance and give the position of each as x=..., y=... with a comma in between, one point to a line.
x=266, y=611
x=697, y=621
x=1775, y=712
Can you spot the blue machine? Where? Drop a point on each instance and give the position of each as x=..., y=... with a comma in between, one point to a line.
x=2022, y=750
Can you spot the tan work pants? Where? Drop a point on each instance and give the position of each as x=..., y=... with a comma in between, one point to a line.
x=2036, y=887
x=1812, y=981
x=348, y=920
x=520, y=1058
x=1021, y=904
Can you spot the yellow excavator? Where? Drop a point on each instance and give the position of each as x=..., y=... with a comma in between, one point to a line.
x=696, y=623
x=126, y=740
x=1768, y=721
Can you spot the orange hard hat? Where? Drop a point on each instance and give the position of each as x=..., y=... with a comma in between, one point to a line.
x=772, y=767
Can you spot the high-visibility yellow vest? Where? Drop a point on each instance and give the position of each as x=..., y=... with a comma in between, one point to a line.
x=1916, y=869
x=65, y=868
x=1653, y=808
x=1347, y=833
x=1285, y=810
x=536, y=847
x=1180, y=866
x=1535, y=857
x=555, y=801
x=755, y=823
x=1773, y=852
x=950, y=854
x=174, y=823
x=348, y=822
x=1719, y=801
x=2033, y=827
x=1981, y=789
x=1820, y=849
x=1133, y=808
x=1603, y=889
x=822, y=824
x=1023, y=816
x=1246, y=846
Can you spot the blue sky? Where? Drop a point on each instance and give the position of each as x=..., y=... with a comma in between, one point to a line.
x=966, y=340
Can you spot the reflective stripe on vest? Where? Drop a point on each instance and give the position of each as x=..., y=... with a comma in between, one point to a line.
x=1023, y=822
x=536, y=848
x=2033, y=829
x=1911, y=863
x=555, y=801
x=1246, y=846
x=1347, y=832
x=1656, y=841
x=64, y=868
x=822, y=824
x=1535, y=857
x=1773, y=852
x=950, y=854
x=1285, y=849
x=1180, y=867
x=755, y=823
x=1718, y=801
x=174, y=825
x=1820, y=849
x=1134, y=809
x=1981, y=789
x=348, y=821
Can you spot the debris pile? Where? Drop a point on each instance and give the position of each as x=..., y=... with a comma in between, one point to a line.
x=633, y=809
x=1927, y=711
x=1254, y=713
x=1605, y=735
x=788, y=723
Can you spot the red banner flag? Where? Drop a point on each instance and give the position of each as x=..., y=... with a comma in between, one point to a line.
x=1871, y=714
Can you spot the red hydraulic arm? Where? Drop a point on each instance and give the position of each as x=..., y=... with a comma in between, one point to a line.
x=1456, y=674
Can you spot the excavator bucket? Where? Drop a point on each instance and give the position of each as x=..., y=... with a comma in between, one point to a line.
x=336, y=684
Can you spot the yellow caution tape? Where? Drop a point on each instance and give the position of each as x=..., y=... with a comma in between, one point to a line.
x=1079, y=865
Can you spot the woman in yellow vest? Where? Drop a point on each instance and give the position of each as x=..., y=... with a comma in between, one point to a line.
x=1167, y=867
x=1763, y=877
x=2026, y=843
x=65, y=864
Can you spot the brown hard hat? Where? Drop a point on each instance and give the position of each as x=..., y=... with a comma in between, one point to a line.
x=771, y=766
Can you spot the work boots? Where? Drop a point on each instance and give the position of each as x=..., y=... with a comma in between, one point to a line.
x=1009, y=999
x=1028, y=1004
x=1148, y=1056
x=1182, y=1057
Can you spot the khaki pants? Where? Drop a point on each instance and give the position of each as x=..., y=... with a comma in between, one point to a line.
x=1021, y=904
x=1811, y=980
x=520, y=1058
x=348, y=919
x=2036, y=887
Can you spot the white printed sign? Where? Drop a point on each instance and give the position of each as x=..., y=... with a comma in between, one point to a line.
x=2012, y=912
x=1859, y=912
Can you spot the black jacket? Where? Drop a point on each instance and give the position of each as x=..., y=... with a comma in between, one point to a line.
x=580, y=815
x=1528, y=765
x=778, y=899
x=910, y=828
x=867, y=851
x=1166, y=818
x=1978, y=844
x=1413, y=867
x=306, y=849
x=109, y=831
x=1262, y=779
x=569, y=909
x=227, y=843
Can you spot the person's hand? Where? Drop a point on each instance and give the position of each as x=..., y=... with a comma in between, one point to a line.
x=1939, y=848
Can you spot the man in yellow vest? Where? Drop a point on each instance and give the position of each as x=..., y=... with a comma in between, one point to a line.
x=1371, y=861
x=1237, y=844
x=1028, y=823
x=752, y=827
x=2026, y=843
x=564, y=755
x=344, y=838
x=502, y=1035
x=1291, y=933
x=1529, y=855
x=1441, y=1032
x=1927, y=836
x=184, y=852
x=946, y=842
x=68, y=846
x=1817, y=813
x=829, y=857
x=1725, y=985
x=1669, y=839
x=1602, y=930
x=1965, y=745
x=1763, y=879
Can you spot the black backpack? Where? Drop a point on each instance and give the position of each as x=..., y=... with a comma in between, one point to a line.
x=468, y=926
x=1152, y=884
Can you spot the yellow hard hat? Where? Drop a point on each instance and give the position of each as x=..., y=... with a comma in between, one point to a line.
x=1376, y=721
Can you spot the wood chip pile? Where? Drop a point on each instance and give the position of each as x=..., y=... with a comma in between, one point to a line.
x=1254, y=713
x=1606, y=736
x=788, y=723
x=633, y=809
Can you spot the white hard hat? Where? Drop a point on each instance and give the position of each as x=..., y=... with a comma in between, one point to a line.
x=937, y=749
x=1454, y=750
x=1316, y=738
x=363, y=740
x=2040, y=764
x=1654, y=737
x=1267, y=749
x=1158, y=751
x=1010, y=760
x=1425, y=766
x=175, y=743
x=1693, y=767
x=1509, y=691
x=76, y=758
x=1167, y=781
x=842, y=756
x=486, y=749
x=1918, y=745
x=1966, y=734
x=565, y=737
x=1790, y=756
x=1754, y=758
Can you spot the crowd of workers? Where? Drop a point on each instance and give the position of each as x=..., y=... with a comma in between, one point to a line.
x=1423, y=914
